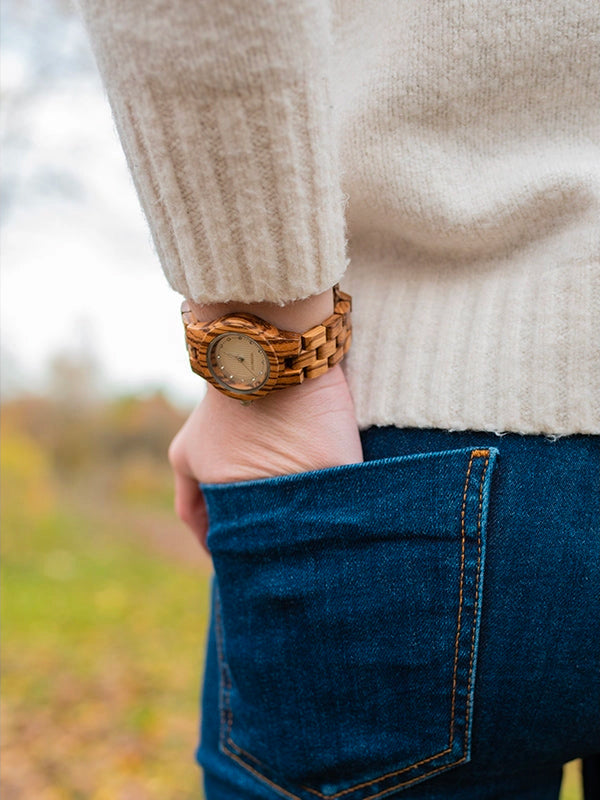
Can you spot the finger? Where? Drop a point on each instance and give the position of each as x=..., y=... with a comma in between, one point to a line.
x=191, y=507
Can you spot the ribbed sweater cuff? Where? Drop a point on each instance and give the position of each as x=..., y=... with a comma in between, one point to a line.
x=243, y=196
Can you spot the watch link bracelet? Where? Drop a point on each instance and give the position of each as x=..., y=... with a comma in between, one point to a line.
x=246, y=357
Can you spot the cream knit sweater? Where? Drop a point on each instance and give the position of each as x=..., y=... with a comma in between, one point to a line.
x=439, y=157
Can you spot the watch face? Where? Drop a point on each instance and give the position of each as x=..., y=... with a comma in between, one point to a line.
x=238, y=362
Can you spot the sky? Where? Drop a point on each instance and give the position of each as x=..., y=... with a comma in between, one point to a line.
x=79, y=273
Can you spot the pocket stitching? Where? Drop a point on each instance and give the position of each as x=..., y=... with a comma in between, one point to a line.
x=226, y=685
x=476, y=601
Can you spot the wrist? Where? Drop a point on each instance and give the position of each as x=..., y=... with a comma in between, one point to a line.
x=298, y=315
x=248, y=350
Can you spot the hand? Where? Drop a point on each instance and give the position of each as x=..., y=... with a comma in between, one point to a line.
x=300, y=428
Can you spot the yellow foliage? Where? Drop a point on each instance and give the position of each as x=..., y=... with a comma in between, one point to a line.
x=26, y=475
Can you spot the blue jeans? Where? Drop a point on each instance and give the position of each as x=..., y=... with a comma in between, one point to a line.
x=423, y=625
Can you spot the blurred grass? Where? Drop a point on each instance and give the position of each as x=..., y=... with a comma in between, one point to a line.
x=103, y=639
x=105, y=604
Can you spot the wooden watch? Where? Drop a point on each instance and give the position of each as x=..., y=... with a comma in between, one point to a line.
x=247, y=357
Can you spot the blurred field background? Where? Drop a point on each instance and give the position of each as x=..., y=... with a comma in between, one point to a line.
x=104, y=594
x=104, y=605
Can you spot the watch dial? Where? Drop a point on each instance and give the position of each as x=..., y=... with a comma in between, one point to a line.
x=238, y=362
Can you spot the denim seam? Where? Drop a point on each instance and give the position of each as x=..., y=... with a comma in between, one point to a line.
x=222, y=677
x=476, y=602
x=463, y=512
x=227, y=713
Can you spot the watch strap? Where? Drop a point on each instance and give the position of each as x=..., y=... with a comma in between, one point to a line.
x=322, y=346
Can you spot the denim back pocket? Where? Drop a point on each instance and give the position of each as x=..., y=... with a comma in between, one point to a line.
x=347, y=614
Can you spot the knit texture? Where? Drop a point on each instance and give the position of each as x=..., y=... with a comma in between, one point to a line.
x=455, y=145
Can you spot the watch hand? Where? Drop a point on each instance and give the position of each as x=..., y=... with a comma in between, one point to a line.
x=225, y=358
x=241, y=360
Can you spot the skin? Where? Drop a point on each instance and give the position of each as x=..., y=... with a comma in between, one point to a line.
x=305, y=427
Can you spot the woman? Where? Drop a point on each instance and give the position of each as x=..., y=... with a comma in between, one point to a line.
x=406, y=542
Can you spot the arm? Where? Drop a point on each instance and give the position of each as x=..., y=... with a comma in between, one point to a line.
x=224, y=112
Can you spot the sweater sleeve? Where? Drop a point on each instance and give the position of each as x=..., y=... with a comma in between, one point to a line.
x=224, y=113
